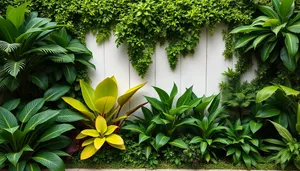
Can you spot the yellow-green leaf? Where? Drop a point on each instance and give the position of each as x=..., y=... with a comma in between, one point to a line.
x=119, y=119
x=90, y=132
x=114, y=78
x=80, y=136
x=115, y=139
x=79, y=106
x=99, y=143
x=88, y=142
x=101, y=125
x=105, y=104
x=111, y=129
x=107, y=87
x=88, y=94
x=128, y=94
x=120, y=147
x=88, y=152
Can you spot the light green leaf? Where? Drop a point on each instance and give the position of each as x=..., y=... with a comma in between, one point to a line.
x=259, y=39
x=255, y=126
x=147, y=150
x=265, y=93
x=88, y=94
x=16, y=15
x=295, y=28
x=32, y=167
x=284, y=133
x=161, y=140
x=292, y=43
x=267, y=49
x=268, y=11
x=179, y=143
x=143, y=137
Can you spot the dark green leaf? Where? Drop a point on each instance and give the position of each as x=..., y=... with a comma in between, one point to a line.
x=11, y=104
x=289, y=61
x=30, y=109
x=56, y=92
x=7, y=119
x=49, y=160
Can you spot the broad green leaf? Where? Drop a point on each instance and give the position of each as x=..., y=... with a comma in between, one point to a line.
x=265, y=93
x=8, y=31
x=214, y=104
x=155, y=103
x=20, y=166
x=205, y=102
x=268, y=11
x=70, y=73
x=2, y=158
x=77, y=47
x=133, y=128
x=284, y=133
x=40, y=80
x=247, y=160
x=32, y=167
x=203, y=147
x=292, y=43
x=187, y=121
x=62, y=58
x=148, y=151
x=277, y=29
x=105, y=104
x=276, y=5
x=143, y=137
x=30, y=109
x=185, y=98
x=40, y=118
x=295, y=28
x=271, y=23
x=164, y=97
x=274, y=141
x=247, y=29
x=7, y=119
x=286, y=9
x=267, y=48
x=244, y=41
x=79, y=106
x=56, y=92
x=49, y=160
x=107, y=87
x=47, y=49
x=179, y=143
x=58, y=143
x=161, y=140
x=11, y=104
x=260, y=39
x=61, y=153
x=246, y=147
x=16, y=15
x=255, y=126
x=115, y=139
x=129, y=93
x=289, y=91
x=88, y=94
x=14, y=157
x=55, y=131
x=268, y=112
x=289, y=61
x=67, y=115
x=11, y=130
x=179, y=110
x=196, y=140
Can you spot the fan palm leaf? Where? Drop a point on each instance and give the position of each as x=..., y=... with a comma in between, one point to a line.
x=14, y=67
x=48, y=49
x=8, y=47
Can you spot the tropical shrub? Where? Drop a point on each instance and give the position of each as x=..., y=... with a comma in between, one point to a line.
x=31, y=135
x=102, y=114
x=159, y=125
x=287, y=150
x=275, y=34
x=242, y=146
x=29, y=45
x=208, y=119
x=280, y=104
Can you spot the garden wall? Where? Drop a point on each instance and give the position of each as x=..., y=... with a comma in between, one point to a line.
x=203, y=69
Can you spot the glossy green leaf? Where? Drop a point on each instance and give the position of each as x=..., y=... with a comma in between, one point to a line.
x=107, y=87
x=88, y=94
x=70, y=73
x=7, y=119
x=255, y=126
x=161, y=140
x=247, y=29
x=295, y=28
x=267, y=48
x=260, y=39
x=289, y=91
x=289, y=61
x=244, y=41
x=40, y=118
x=40, y=80
x=267, y=112
x=143, y=137
x=133, y=128
x=32, y=167
x=292, y=43
x=268, y=11
x=56, y=92
x=11, y=104
x=179, y=143
x=30, y=109
x=16, y=15
x=67, y=115
x=55, y=131
x=14, y=157
x=265, y=93
x=155, y=103
x=284, y=133
x=148, y=151
x=50, y=161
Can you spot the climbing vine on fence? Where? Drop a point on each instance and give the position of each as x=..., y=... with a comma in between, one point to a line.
x=142, y=24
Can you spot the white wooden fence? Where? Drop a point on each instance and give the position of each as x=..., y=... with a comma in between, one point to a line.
x=203, y=69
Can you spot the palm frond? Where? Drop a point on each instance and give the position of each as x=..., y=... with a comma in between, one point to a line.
x=48, y=49
x=63, y=58
x=14, y=67
x=7, y=47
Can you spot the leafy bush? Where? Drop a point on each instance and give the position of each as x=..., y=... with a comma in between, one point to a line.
x=102, y=115
x=275, y=34
x=31, y=136
x=29, y=45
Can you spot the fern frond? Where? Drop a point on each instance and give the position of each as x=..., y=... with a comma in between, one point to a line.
x=61, y=58
x=7, y=47
x=14, y=67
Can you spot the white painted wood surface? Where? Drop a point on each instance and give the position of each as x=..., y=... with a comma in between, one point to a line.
x=202, y=70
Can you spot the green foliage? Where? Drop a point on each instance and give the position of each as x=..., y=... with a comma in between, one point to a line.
x=142, y=24
x=242, y=146
x=32, y=44
x=31, y=134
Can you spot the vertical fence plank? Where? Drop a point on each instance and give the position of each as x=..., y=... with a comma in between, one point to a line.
x=98, y=59
x=216, y=63
x=165, y=76
x=117, y=64
x=193, y=68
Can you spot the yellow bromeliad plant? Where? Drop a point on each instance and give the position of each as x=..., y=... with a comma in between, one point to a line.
x=102, y=114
